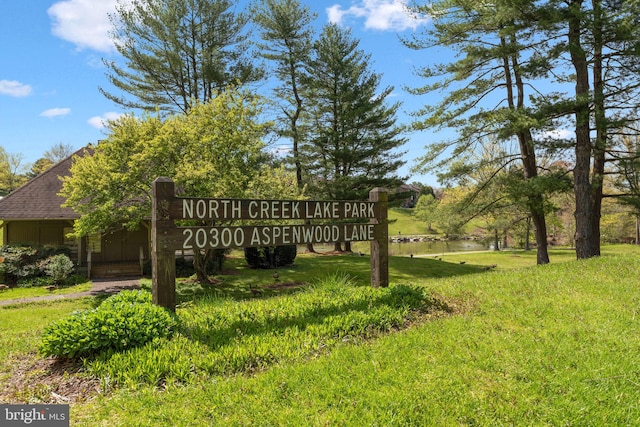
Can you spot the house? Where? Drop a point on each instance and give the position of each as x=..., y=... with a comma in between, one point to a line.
x=32, y=214
x=409, y=194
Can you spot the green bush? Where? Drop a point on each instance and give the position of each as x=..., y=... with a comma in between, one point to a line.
x=128, y=319
x=22, y=262
x=58, y=268
x=270, y=256
x=35, y=282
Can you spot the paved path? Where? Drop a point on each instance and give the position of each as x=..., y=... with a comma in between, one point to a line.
x=100, y=287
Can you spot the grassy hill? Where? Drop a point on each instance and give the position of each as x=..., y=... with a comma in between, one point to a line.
x=402, y=221
x=514, y=344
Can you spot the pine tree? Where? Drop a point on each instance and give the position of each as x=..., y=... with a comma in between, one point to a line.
x=354, y=136
x=177, y=52
x=288, y=37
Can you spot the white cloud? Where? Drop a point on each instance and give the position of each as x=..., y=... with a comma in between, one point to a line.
x=14, y=88
x=84, y=23
x=557, y=134
x=280, y=150
x=385, y=15
x=55, y=112
x=100, y=122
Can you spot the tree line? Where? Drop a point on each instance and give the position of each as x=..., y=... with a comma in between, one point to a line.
x=14, y=171
x=522, y=70
x=189, y=70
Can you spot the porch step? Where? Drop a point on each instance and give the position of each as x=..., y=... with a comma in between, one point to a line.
x=120, y=269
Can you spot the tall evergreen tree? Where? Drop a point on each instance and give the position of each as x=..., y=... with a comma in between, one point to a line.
x=354, y=133
x=177, y=52
x=485, y=91
x=593, y=45
x=288, y=37
x=599, y=42
x=354, y=141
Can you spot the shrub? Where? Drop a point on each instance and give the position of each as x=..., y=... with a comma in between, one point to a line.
x=35, y=282
x=185, y=268
x=128, y=319
x=270, y=256
x=22, y=262
x=58, y=268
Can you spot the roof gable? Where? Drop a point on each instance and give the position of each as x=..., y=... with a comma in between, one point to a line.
x=38, y=198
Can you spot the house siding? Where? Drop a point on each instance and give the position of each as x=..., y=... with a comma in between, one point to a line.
x=36, y=232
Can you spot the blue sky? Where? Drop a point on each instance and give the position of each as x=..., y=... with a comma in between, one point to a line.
x=51, y=68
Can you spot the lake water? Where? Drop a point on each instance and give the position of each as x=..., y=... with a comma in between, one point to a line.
x=417, y=248
x=435, y=247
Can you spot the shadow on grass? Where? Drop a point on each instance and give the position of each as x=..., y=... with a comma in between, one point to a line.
x=342, y=316
x=240, y=282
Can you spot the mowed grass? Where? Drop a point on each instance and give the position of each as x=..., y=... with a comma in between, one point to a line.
x=548, y=345
x=40, y=291
x=402, y=220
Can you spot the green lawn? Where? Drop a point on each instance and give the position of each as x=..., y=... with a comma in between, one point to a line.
x=39, y=291
x=527, y=345
x=401, y=220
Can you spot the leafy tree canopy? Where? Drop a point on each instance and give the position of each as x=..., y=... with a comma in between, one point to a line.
x=214, y=151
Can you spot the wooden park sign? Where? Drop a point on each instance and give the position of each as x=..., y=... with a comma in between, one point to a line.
x=167, y=238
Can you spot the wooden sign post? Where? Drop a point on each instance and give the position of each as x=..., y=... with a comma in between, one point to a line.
x=380, y=247
x=163, y=258
x=167, y=237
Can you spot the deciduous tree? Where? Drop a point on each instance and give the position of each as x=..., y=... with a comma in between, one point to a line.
x=12, y=171
x=214, y=151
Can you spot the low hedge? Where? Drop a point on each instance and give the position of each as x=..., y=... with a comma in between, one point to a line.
x=128, y=319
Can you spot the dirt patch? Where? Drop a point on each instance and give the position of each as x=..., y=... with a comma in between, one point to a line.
x=33, y=379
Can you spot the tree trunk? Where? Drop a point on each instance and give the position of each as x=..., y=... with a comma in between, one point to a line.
x=347, y=247
x=581, y=182
x=535, y=199
x=597, y=175
x=200, y=266
x=496, y=240
x=527, y=245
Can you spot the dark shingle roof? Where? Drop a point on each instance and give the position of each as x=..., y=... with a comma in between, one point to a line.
x=38, y=198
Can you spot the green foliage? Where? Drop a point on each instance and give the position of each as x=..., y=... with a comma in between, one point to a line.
x=223, y=337
x=58, y=268
x=13, y=173
x=270, y=256
x=425, y=209
x=274, y=182
x=353, y=139
x=178, y=53
x=285, y=27
x=128, y=319
x=26, y=263
x=215, y=151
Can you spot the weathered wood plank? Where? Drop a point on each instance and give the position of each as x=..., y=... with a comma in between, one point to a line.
x=380, y=246
x=264, y=210
x=163, y=263
x=269, y=235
